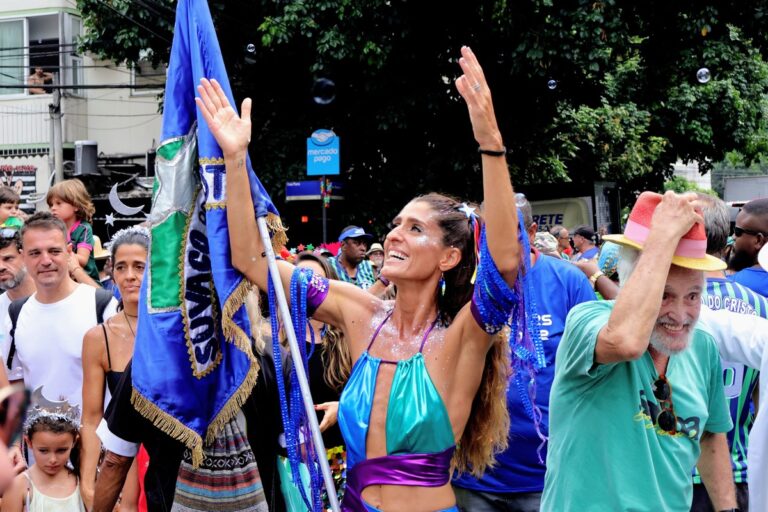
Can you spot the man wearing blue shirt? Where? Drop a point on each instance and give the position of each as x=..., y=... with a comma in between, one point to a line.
x=516, y=482
x=751, y=232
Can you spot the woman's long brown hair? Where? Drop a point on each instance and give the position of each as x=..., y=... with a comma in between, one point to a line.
x=487, y=429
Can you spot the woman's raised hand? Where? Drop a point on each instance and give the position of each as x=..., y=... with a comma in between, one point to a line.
x=232, y=132
x=474, y=89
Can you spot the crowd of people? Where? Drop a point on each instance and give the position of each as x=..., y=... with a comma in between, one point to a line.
x=467, y=362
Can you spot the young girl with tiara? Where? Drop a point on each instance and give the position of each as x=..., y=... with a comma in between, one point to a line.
x=70, y=202
x=51, y=432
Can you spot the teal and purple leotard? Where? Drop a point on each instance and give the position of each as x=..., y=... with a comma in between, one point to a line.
x=419, y=435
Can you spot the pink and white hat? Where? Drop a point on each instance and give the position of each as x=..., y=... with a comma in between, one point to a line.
x=691, y=251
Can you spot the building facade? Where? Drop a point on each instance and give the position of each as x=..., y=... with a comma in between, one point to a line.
x=120, y=121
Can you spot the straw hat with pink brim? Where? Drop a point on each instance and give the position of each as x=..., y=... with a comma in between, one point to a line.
x=691, y=252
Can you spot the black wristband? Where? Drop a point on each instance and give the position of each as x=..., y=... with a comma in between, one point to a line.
x=492, y=152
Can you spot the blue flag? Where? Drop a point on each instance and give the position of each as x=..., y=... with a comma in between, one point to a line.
x=192, y=365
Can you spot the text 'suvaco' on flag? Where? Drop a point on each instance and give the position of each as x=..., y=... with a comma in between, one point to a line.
x=192, y=366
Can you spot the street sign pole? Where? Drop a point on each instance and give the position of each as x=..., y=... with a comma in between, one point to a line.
x=323, y=186
x=323, y=160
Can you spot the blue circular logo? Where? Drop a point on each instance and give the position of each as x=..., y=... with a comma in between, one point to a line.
x=322, y=137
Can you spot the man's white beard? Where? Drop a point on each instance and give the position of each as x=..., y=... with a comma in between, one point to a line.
x=660, y=344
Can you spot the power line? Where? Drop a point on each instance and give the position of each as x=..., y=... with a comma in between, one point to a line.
x=65, y=114
x=5, y=49
x=131, y=101
x=36, y=54
x=171, y=12
x=153, y=7
x=84, y=86
x=107, y=67
x=111, y=129
x=134, y=21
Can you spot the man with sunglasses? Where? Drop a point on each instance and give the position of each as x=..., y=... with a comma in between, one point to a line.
x=744, y=339
x=740, y=381
x=564, y=248
x=638, y=400
x=751, y=233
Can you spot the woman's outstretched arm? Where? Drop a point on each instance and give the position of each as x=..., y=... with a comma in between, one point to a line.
x=233, y=133
x=499, y=209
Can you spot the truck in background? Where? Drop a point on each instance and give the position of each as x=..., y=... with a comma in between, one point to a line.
x=742, y=189
x=569, y=204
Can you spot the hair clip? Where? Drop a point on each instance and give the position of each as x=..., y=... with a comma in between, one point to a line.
x=467, y=210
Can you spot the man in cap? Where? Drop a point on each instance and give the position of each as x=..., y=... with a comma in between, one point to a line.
x=638, y=400
x=376, y=256
x=585, y=242
x=350, y=264
x=751, y=233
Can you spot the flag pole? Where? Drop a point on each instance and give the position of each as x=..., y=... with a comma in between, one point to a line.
x=309, y=407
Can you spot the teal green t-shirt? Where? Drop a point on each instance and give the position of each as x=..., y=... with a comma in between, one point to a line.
x=605, y=452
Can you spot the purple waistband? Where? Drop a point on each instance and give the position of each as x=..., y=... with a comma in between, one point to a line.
x=418, y=469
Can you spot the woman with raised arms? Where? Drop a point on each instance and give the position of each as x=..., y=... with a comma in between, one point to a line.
x=427, y=390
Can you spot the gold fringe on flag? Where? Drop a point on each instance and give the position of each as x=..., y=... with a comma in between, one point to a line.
x=170, y=425
x=242, y=340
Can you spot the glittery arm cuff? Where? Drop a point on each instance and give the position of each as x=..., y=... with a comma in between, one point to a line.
x=493, y=300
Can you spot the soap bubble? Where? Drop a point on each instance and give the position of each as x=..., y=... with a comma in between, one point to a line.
x=324, y=91
x=251, y=48
x=552, y=85
x=703, y=75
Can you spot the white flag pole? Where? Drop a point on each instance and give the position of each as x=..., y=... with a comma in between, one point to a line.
x=309, y=406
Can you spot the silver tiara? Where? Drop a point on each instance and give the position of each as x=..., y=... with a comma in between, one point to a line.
x=118, y=237
x=41, y=407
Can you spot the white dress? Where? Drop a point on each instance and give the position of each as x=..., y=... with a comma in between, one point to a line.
x=38, y=502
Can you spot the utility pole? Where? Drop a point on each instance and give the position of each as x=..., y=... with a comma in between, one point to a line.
x=56, y=142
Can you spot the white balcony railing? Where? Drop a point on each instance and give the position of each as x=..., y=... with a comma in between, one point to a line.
x=26, y=121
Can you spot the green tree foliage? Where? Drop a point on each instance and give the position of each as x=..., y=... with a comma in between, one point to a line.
x=679, y=184
x=626, y=103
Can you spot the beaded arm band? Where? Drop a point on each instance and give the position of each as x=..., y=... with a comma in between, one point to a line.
x=493, y=300
x=495, y=303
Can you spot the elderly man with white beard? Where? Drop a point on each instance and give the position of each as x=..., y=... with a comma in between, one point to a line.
x=638, y=400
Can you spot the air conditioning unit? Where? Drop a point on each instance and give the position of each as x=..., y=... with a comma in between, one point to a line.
x=86, y=154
